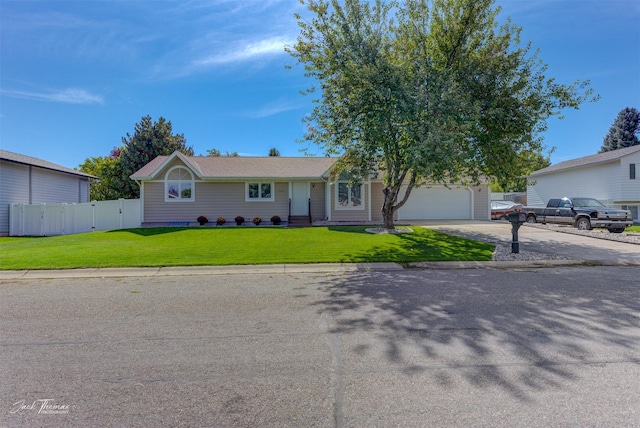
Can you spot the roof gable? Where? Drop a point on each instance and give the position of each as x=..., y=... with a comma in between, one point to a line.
x=153, y=169
x=242, y=167
x=611, y=156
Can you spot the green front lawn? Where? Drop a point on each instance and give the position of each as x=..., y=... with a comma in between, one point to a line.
x=197, y=246
x=633, y=229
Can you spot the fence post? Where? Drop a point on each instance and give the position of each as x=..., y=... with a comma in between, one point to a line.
x=43, y=214
x=93, y=216
x=63, y=211
x=16, y=219
x=121, y=210
x=74, y=215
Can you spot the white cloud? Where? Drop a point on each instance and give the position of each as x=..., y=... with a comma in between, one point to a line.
x=68, y=96
x=274, y=108
x=249, y=51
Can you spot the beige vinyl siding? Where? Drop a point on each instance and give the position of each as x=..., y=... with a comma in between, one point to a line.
x=174, y=162
x=349, y=215
x=481, y=202
x=318, y=210
x=377, y=199
x=213, y=200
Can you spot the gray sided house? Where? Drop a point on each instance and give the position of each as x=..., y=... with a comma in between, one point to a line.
x=179, y=188
x=612, y=177
x=28, y=180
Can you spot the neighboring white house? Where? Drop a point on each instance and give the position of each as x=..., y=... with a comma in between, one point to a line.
x=28, y=180
x=612, y=177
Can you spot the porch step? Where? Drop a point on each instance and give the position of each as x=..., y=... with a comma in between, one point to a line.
x=299, y=221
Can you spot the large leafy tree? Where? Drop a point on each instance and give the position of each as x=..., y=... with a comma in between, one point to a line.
x=424, y=91
x=149, y=140
x=109, y=172
x=528, y=162
x=624, y=131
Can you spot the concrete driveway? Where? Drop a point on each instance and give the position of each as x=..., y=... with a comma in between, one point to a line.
x=584, y=248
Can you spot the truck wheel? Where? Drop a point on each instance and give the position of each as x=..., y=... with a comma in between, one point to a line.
x=531, y=219
x=503, y=217
x=583, y=224
x=616, y=230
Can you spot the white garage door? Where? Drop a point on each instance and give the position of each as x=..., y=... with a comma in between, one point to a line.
x=437, y=203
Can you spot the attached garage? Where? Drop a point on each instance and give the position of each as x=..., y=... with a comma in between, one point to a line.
x=438, y=203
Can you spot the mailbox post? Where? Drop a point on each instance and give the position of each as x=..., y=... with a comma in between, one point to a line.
x=516, y=219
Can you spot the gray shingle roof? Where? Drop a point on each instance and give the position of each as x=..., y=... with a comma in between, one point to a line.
x=242, y=167
x=588, y=160
x=28, y=160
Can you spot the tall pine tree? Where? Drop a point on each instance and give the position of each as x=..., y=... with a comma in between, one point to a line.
x=624, y=131
x=149, y=140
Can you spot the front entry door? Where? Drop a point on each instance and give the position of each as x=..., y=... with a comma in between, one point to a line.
x=300, y=199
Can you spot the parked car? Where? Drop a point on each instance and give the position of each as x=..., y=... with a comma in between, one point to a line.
x=501, y=209
x=583, y=213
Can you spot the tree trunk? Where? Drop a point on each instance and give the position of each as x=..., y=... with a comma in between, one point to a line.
x=388, y=209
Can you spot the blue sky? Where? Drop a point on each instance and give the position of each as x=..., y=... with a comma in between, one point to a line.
x=76, y=76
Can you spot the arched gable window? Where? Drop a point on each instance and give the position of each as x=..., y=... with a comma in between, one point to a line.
x=179, y=185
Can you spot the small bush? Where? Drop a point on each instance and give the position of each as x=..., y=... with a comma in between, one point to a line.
x=239, y=220
x=276, y=220
x=256, y=220
x=202, y=219
x=220, y=221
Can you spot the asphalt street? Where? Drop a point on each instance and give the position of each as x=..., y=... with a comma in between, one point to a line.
x=494, y=347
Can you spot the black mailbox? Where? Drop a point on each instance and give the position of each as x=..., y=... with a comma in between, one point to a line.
x=516, y=219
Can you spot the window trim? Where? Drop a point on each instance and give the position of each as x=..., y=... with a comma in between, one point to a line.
x=259, y=198
x=339, y=207
x=167, y=183
x=632, y=171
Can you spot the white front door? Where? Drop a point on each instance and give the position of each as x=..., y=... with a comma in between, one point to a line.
x=299, y=198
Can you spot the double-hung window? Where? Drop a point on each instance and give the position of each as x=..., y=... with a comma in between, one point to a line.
x=179, y=185
x=349, y=196
x=259, y=191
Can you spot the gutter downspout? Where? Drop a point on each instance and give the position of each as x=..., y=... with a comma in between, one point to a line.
x=141, y=185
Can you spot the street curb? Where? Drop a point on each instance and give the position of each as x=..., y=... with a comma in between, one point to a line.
x=284, y=269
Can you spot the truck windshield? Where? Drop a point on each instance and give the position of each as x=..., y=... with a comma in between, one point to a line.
x=588, y=203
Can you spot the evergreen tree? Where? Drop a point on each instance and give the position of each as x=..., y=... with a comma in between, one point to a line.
x=624, y=131
x=274, y=152
x=149, y=140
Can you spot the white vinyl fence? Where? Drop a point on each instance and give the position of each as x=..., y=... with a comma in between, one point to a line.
x=67, y=219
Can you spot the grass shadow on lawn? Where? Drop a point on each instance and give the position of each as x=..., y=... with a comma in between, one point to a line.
x=151, y=231
x=423, y=245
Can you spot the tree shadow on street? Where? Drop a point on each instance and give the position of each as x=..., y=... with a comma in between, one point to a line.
x=520, y=331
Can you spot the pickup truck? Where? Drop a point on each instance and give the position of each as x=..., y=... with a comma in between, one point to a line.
x=583, y=213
